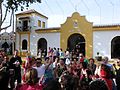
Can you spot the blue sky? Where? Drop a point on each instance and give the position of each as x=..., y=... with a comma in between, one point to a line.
x=96, y=11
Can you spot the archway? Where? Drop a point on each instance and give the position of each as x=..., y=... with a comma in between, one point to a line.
x=115, y=47
x=24, y=44
x=76, y=41
x=42, y=44
x=5, y=46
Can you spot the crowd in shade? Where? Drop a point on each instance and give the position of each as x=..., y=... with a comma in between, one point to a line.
x=58, y=70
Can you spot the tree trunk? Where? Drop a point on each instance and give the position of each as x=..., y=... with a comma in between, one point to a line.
x=2, y=19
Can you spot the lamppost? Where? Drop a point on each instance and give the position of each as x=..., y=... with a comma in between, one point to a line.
x=13, y=46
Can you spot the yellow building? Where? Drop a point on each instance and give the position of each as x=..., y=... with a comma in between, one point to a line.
x=75, y=31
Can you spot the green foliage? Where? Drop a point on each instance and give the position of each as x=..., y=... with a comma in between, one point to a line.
x=14, y=4
x=11, y=6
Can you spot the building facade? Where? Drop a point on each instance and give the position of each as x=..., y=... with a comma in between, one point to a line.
x=7, y=42
x=33, y=34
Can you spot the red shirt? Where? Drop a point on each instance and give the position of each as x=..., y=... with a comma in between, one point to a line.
x=30, y=87
x=104, y=77
x=81, y=59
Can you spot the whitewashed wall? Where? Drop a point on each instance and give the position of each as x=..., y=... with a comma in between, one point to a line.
x=23, y=36
x=34, y=22
x=53, y=40
x=102, y=42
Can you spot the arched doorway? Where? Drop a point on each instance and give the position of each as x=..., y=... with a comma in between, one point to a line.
x=115, y=47
x=76, y=41
x=5, y=46
x=24, y=44
x=42, y=44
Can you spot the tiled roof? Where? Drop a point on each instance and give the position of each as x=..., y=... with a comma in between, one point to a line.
x=52, y=28
x=107, y=25
x=31, y=11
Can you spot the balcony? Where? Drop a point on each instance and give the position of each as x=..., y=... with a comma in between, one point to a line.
x=23, y=29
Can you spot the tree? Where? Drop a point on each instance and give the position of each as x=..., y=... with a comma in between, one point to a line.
x=11, y=6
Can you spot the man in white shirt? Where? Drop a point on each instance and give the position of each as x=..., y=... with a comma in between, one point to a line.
x=40, y=67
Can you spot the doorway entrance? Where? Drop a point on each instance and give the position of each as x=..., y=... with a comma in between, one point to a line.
x=115, y=47
x=76, y=42
x=42, y=45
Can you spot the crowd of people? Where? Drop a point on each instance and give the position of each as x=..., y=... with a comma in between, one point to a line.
x=58, y=70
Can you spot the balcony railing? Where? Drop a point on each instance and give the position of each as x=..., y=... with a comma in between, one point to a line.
x=23, y=29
